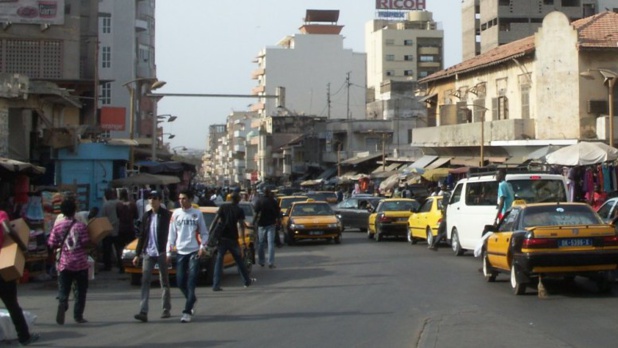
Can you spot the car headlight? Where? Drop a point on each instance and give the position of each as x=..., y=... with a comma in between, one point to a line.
x=128, y=254
x=296, y=226
x=333, y=225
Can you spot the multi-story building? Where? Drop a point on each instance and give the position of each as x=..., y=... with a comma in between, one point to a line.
x=212, y=159
x=487, y=24
x=126, y=65
x=238, y=126
x=319, y=75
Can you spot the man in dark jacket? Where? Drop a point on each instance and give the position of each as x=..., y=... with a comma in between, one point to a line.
x=267, y=214
x=151, y=249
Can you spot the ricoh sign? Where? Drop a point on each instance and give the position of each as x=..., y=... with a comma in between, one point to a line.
x=406, y=5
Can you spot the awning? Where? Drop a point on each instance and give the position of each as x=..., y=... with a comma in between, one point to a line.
x=429, y=96
x=439, y=162
x=328, y=173
x=382, y=175
x=496, y=159
x=422, y=162
x=466, y=161
x=516, y=160
x=14, y=166
x=122, y=142
x=142, y=179
x=388, y=168
x=311, y=182
x=436, y=174
x=460, y=170
x=357, y=160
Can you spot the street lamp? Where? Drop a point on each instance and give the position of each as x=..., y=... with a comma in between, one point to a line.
x=155, y=121
x=483, y=109
x=609, y=77
x=155, y=84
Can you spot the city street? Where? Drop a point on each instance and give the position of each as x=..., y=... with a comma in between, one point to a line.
x=358, y=294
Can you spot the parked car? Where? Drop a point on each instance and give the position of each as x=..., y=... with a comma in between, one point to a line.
x=285, y=202
x=327, y=196
x=207, y=264
x=609, y=210
x=312, y=220
x=354, y=211
x=423, y=224
x=390, y=218
x=551, y=240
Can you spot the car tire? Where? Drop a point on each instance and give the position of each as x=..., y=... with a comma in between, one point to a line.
x=291, y=240
x=488, y=272
x=136, y=279
x=604, y=283
x=455, y=244
x=338, y=239
x=517, y=286
x=378, y=235
x=410, y=238
x=429, y=237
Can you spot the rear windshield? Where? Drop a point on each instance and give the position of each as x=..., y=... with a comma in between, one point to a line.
x=560, y=215
x=531, y=191
x=287, y=202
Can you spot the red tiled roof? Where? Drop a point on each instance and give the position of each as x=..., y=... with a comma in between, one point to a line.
x=598, y=31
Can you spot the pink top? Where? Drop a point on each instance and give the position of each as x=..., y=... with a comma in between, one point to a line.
x=74, y=255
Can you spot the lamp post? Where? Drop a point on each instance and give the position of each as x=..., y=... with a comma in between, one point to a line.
x=484, y=109
x=155, y=121
x=153, y=86
x=609, y=77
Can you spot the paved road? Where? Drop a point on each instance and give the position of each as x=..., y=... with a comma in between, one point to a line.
x=358, y=294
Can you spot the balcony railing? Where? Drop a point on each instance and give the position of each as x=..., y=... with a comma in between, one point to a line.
x=469, y=134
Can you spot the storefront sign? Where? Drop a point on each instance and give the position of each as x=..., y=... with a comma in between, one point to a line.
x=392, y=14
x=32, y=11
x=408, y=5
x=113, y=118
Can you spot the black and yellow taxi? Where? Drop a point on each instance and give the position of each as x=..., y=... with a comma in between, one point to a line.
x=207, y=264
x=390, y=218
x=311, y=219
x=285, y=202
x=536, y=241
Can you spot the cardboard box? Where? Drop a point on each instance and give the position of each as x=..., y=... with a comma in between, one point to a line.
x=99, y=228
x=22, y=229
x=12, y=261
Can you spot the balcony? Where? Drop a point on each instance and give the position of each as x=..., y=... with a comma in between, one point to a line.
x=239, y=148
x=429, y=51
x=257, y=90
x=257, y=73
x=141, y=25
x=469, y=134
x=257, y=107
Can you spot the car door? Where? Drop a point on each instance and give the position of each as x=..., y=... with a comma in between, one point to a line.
x=499, y=242
x=419, y=220
x=347, y=211
x=608, y=210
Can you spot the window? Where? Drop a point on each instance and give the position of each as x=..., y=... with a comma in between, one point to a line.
x=426, y=58
x=106, y=25
x=409, y=136
x=106, y=94
x=408, y=42
x=570, y=3
x=482, y=193
x=408, y=57
x=548, y=2
x=408, y=72
x=422, y=74
x=144, y=54
x=525, y=101
x=390, y=57
x=389, y=42
x=504, y=2
x=390, y=73
x=499, y=108
x=106, y=57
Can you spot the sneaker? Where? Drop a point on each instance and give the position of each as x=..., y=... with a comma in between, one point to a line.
x=166, y=314
x=33, y=338
x=272, y=266
x=433, y=248
x=261, y=265
x=81, y=320
x=217, y=289
x=251, y=282
x=186, y=318
x=143, y=317
x=60, y=314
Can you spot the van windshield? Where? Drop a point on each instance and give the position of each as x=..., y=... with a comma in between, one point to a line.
x=536, y=191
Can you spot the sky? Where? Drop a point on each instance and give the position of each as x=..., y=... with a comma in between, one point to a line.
x=208, y=47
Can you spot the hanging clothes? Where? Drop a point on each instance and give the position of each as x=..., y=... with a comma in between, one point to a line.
x=607, y=178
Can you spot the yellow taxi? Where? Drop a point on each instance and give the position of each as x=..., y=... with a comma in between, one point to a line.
x=208, y=263
x=311, y=219
x=423, y=224
x=536, y=241
x=390, y=218
x=285, y=202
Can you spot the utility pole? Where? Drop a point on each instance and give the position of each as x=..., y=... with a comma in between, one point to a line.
x=347, y=83
x=328, y=100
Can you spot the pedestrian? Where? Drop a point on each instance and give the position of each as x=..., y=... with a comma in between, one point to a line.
x=150, y=249
x=141, y=203
x=268, y=216
x=111, y=243
x=232, y=216
x=127, y=214
x=8, y=289
x=185, y=226
x=506, y=196
x=596, y=198
x=446, y=197
x=71, y=236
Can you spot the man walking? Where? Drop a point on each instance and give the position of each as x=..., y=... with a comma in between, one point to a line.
x=111, y=242
x=233, y=216
x=506, y=196
x=151, y=249
x=446, y=197
x=185, y=225
x=268, y=215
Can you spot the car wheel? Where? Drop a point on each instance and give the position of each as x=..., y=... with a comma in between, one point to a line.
x=455, y=245
x=604, y=283
x=338, y=239
x=291, y=240
x=136, y=279
x=378, y=235
x=489, y=274
x=429, y=237
x=518, y=287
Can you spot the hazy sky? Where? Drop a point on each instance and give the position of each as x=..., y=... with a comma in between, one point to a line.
x=208, y=47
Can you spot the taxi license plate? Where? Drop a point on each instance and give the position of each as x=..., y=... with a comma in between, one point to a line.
x=315, y=233
x=575, y=242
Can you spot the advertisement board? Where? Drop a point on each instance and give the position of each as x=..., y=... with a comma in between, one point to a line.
x=32, y=11
x=408, y=5
x=113, y=118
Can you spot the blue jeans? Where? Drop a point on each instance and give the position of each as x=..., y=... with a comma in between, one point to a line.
x=233, y=247
x=266, y=234
x=187, y=271
x=65, y=282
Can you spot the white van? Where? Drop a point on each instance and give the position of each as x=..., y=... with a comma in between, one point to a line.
x=474, y=203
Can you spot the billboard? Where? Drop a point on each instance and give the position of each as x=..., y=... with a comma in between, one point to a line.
x=113, y=118
x=406, y=5
x=32, y=11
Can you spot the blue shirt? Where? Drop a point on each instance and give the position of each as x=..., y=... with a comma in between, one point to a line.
x=505, y=190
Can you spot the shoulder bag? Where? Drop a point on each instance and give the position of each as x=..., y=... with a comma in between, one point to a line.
x=66, y=234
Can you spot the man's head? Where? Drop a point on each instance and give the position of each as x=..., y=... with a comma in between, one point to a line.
x=68, y=207
x=185, y=198
x=155, y=200
x=501, y=174
x=235, y=198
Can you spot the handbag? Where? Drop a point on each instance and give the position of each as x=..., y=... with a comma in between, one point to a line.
x=66, y=234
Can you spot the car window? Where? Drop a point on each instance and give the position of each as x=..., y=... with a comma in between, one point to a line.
x=348, y=204
x=426, y=207
x=560, y=215
x=398, y=206
x=456, y=196
x=606, y=209
x=287, y=202
x=537, y=191
x=482, y=193
x=508, y=222
x=209, y=218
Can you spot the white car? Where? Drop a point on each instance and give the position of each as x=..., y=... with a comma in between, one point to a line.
x=608, y=210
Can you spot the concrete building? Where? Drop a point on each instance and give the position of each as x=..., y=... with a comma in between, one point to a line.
x=320, y=76
x=127, y=56
x=238, y=127
x=487, y=24
x=543, y=89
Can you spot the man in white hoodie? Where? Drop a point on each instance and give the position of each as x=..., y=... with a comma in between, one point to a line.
x=186, y=223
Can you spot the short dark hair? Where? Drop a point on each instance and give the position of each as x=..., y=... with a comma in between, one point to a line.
x=187, y=193
x=68, y=207
x=235, y=197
